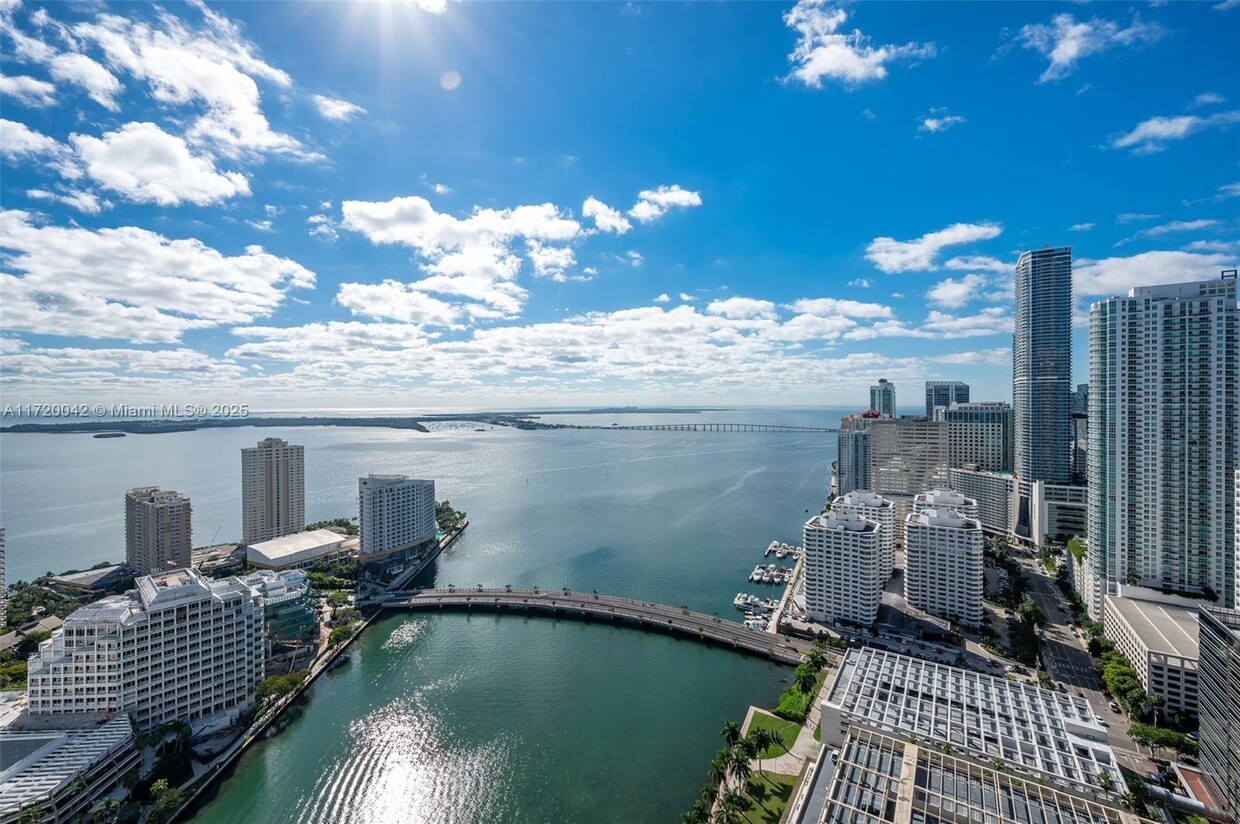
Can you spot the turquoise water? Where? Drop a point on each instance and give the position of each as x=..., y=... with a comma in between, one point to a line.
x=484, y=718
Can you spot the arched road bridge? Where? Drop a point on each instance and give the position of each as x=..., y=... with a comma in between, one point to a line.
x=590, y=606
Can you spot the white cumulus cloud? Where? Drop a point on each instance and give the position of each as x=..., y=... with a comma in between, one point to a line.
x=1065, y=41
x=891, y=255
x=334, y=108
x=605, y=218
x=826, y=307
x=211, y=67
x=741, y=308
x=28, y=91
x=955, y=294
x=392, y=300
x=472, y=257
x=145, y=164
x=131, y=283
x=939, y=121
x=653, y=204
x=98, y=83
x=1153, y=135
x=1116, y=275
x=18, y=141
x=825, y=50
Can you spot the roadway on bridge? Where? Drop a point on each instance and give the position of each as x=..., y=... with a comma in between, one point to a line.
x=592, y=606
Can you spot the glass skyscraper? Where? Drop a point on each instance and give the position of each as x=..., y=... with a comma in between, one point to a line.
x=1042, y=366
x=945, y=393
x=1218, y=701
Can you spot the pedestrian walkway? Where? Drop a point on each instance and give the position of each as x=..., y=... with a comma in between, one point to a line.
x=805, y=747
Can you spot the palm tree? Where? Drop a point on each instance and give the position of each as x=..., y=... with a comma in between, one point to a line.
x=1105, y=781
x=718, y=774
x=731, y=733
x=731, y=808
x=805, y=679
x=701, y=810
x=817, y=658
x=755, y=744
x=709, y=795
x=739, y=766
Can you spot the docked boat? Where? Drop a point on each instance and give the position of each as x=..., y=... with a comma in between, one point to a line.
x=756, y=575
x=782, y=552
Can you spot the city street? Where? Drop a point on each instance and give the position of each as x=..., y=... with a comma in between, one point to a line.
x=1067, y=660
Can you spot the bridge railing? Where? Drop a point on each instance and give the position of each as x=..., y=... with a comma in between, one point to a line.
x=705, y=626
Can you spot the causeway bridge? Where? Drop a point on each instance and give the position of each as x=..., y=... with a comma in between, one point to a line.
x=590, y=606
x=713, y=427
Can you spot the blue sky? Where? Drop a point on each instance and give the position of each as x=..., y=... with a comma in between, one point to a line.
x=425, y=205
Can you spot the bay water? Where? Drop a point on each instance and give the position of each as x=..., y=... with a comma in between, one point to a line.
x=460, y=718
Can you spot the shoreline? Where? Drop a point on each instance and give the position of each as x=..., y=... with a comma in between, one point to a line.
x=257, y=730
x=153, y=426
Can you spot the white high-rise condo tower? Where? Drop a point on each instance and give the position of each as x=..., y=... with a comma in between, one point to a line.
x=843, y=563
x=273, y=490
x=943, y=565
x=883, y=397
x=1042, y=366
x=852, y=467
x=158, y=529
x=945, y=499
x=395, y=513
x=876, y=508
x=1164, y=433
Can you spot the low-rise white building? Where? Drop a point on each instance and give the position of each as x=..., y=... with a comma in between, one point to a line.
x=875, y=507
x=300, y=550
x=178, y=647
x=54, y=769
x=881, y=779
x=1162, y=642
x=943, y=563
x=1046, y=734
x=843, y=568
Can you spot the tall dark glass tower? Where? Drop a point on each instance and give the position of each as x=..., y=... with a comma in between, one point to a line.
x=1042, y=366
